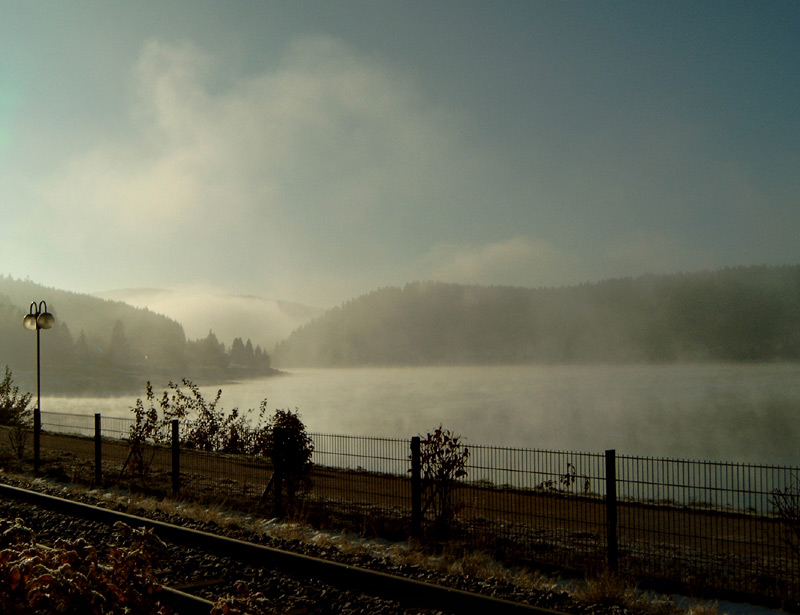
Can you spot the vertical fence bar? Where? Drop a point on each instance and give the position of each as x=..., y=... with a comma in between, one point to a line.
x=98, y=454
x=416, y=488
x=176, y=458
x=611, y=510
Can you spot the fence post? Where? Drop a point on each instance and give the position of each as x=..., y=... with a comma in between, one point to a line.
x=37, y=431
x=611, y=510
x=416, y=488
x=176, y=458
x=98, y=455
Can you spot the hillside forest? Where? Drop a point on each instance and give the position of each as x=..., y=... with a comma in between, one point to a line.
x=98, y=346
x=101, y=347
x=734, y=314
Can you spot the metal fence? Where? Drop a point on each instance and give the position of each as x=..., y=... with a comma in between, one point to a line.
x=528, y=504
x=708, y=525
x=362, y=471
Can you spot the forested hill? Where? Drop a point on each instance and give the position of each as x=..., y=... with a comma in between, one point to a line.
x=103, y=346
x=737, y=314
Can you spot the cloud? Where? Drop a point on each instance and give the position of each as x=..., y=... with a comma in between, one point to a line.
x=325, y=157
x=200, y=309
x=172, y=168
x=518, y=261
x=319, y=176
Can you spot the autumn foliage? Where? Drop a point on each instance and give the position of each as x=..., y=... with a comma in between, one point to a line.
x=73, y=576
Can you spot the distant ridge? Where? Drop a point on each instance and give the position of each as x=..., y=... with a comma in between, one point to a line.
x=107, y=346
x=96, y=344
x=264, y=321
x=102, y=343
x=734, y=314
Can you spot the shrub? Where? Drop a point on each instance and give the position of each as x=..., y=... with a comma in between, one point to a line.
x=71, y=578
x=443, y=460
x=786, y=505
x=14, y=412
x=565, y=482
x=151, y=425
x=285, y=442
x=205, y=426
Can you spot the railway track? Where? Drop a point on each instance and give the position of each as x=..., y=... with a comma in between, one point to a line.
x=216, y=561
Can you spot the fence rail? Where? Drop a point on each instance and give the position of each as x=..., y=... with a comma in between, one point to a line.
x=706, y=524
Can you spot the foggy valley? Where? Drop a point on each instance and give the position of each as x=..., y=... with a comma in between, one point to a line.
x=542, y=367
x=553, y=228
x=745, y=314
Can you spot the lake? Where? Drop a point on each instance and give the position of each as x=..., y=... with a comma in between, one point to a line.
x=736, y=412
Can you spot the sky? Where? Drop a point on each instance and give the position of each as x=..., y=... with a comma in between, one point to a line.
x=315, y=151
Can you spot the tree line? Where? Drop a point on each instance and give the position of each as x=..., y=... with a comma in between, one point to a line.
x=733, y=314
x=104, y=346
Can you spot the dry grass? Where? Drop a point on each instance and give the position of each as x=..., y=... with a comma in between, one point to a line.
x=703, y=609
x=608, y=589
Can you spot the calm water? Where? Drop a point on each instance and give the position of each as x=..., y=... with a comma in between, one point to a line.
x=719, y=412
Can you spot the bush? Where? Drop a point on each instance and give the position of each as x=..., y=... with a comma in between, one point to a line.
x=208, y=428
x=283, y=439
x=71, y=578
x=205, y=426
x=148, y=426
x=285, y=442
x=566, y=482
x=443, y=460
x=14, y=412
x=786, y=505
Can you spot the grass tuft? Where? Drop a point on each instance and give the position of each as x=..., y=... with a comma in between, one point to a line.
x=606, y=589
x=704, y=609
x=609, y=589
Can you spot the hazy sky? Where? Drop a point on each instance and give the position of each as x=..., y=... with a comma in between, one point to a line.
x=314, y=151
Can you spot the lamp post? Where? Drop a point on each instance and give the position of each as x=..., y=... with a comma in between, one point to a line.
x=38, y=318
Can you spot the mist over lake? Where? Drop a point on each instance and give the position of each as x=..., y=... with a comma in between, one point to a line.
x=731, y=412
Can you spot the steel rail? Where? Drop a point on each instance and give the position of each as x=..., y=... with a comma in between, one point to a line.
x=408, y=592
